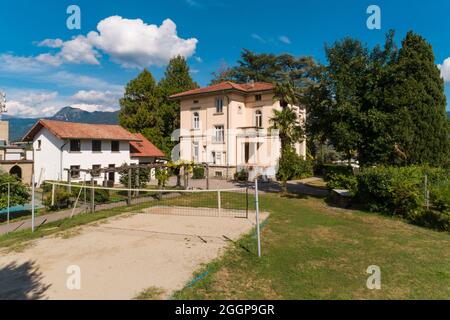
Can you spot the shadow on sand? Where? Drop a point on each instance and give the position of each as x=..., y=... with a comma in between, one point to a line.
x=21, y=282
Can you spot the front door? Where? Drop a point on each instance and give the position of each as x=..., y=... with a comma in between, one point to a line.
x=112, y=174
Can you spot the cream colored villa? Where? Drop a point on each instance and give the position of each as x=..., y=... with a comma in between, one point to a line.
x=227, y=125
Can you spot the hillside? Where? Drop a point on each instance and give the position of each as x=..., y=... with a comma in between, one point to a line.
x=19, y=126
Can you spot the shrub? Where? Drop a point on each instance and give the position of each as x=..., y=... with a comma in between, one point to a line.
x=62, y=199
x=198, y=173
x=328, y=170
x=342, y=181
x=431, y=219
x=292, y=166
x=241, y=175
x=19, y=194
x=391, y=190
x=440, y=195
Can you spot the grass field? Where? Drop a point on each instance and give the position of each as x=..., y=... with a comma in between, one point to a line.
x=311, y=251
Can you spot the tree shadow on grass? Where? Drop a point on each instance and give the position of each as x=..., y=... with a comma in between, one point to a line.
x=21, y=282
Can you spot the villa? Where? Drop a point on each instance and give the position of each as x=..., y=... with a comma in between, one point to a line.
x=227, y=126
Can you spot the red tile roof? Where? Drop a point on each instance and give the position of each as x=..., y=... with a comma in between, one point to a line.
x=144, y=148
x=227, y=86
x=72, y=130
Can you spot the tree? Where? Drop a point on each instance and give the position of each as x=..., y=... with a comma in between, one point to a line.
x=19, y=193
x=176, y=79
x=140, y=104
x=139, y=176
x=146, y=107
x=267, y=68
x=416, y=97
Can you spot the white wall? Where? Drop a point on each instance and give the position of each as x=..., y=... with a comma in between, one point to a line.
x=49, y=160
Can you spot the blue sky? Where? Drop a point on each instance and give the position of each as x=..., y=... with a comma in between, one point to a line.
x=45, y=66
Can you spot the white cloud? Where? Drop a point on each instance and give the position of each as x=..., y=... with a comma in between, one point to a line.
x=32, y=103
x=51, y=43
x=445, y=70
x=258, y=37
x=92, y=107
x=284, y=39
x=135, y=44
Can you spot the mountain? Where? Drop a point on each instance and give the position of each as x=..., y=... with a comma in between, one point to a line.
x=19, y=126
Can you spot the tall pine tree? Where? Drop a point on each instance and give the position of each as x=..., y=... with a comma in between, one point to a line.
x=417, y=100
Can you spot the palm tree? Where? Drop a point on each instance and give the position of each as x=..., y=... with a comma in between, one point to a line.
x=287, y=122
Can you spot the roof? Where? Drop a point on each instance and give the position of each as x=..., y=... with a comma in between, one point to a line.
x=144, y=148
x=73, y=130
x=227, y=86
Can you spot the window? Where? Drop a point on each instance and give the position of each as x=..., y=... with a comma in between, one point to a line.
x=96, y=170
x=74, y=172
x=39, y=144
x=258, y=97
x=75, y=145
x=219, y=105
x=218, y=174
x=96, y=145
x=196, y=149
x=218, y=133
x=196, y=120
x=258, y=118
x=112, y=173
x=115, y=146
x=195, y=101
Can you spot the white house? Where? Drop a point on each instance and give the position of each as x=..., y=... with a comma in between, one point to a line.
x=62, y=146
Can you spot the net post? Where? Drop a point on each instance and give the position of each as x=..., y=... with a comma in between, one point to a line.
x=257, y=217
x=92, y=195
x=129, y=186
x=219, y=204
x=32, y=203
x=246, y=202
x=7, y=210
x=53, y=194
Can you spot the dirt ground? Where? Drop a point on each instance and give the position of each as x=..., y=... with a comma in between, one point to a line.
x=118, y=258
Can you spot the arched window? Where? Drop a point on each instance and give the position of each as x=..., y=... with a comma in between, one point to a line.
x=16, y=171
x=258, y=118
x=196, y=120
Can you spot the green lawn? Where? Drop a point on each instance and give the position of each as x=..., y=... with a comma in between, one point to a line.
x=311, y=251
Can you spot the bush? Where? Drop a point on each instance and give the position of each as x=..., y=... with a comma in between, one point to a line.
x=62, y=199
x=342, y=181
x=431, y=219
x=293, y=167
x=19, y=193
x=241, y=175
x=391, y=190
x=198, y=173
x=328, y=170
x=440, y=195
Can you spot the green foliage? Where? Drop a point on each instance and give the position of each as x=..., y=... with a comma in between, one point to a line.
x=343, y=181
x=431, y=219
x=241, y=175
x=267, y=68
x=292, y=166
x=198, y=173
x=385, y=106
x=162, y=175
x=139, y=176
x=328, y=170
x=19, y=193
x=62, y=199
x=146, y=107
x=401, y=191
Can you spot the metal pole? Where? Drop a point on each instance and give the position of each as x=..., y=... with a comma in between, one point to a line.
x=92, y=195
x=257, y=217
x=219, y=203
x=7, y=210
x=53, y=194
x=129, y=185
x=32, y=203
x=246, y=203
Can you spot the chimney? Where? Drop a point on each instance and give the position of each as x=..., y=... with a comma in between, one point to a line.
x=252, y=83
